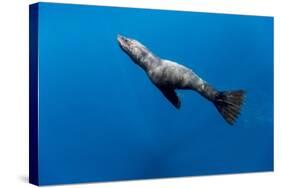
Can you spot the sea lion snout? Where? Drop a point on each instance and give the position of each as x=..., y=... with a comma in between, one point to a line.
x=123, y=41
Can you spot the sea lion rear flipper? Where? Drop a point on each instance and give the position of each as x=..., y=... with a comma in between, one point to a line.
x=171, y=95
x=229, y=104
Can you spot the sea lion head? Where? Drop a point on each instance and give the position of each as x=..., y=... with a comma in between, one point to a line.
x=132, y=47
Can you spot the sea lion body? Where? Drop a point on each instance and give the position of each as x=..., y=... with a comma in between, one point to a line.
x=168, y=76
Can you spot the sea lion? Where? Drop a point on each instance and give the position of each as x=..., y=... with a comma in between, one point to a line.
x=168, y=76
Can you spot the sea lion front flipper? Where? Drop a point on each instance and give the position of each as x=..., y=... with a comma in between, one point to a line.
x=171, y=95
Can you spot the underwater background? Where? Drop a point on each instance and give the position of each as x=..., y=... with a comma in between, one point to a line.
x=101, y=118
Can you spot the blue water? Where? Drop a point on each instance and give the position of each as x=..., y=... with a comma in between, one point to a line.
x=101, y=118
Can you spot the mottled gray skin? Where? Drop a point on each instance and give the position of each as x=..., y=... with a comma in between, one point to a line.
x=165, y=74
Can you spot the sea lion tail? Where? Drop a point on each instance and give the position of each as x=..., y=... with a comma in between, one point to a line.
x=229, y=104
